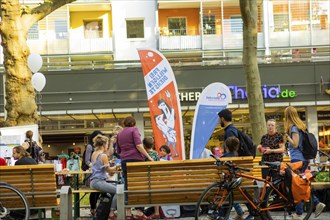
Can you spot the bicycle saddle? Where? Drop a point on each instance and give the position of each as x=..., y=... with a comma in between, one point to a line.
x=272, y=165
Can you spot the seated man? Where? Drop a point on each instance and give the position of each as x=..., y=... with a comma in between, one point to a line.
x=22, y=157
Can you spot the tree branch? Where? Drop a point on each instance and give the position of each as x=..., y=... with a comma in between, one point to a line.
x=41, y=11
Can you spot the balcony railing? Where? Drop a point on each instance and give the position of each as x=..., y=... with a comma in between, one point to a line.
x=103, y=61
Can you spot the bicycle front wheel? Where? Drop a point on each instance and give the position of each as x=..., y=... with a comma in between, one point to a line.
x=273, y=200
x=13, y=203
x=215, y=203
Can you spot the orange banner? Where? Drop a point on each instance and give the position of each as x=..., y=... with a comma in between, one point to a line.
x=164, y=105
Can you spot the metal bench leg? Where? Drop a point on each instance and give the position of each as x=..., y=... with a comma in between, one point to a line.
x=120, y=202
x=66, y=203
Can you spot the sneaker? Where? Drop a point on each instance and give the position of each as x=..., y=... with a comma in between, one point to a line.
x=249, y=217
x=239, y=217
x=295, y=216
x=318, y=209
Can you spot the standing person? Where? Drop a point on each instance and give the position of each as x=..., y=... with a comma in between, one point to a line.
x=113, y=141
x=130, y=149
x=231, y=147
x=33, y=149
x=294, y=127
x=271, y=145
x=225, y=116
x=100, y=167
x=22, y=157
x=88, y=161
x=148, y=143
x=165, y=153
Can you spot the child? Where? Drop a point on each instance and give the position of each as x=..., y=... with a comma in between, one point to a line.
x=148, y=143
x=165, y=153
x=232, y=145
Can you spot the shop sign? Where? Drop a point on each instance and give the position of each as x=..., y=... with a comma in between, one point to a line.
x=268, y=92
x=271, y=92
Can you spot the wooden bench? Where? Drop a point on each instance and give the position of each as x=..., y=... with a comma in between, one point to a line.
x=172, y=182
x=37, y=182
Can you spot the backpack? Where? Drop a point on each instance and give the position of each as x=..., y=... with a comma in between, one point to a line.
x=84, y=166
x=298, y=186
x=309, y=145
x=248, y=148
x=103, y=209
x=36, y=152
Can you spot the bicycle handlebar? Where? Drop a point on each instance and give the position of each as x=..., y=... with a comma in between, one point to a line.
x=230, y=165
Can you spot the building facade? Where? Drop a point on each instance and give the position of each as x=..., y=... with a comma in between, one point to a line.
x=94, y=78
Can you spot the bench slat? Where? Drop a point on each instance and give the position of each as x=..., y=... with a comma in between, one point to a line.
x=37, y=182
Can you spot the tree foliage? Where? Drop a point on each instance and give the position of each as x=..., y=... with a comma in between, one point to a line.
x=16, y=20
x=249, y=12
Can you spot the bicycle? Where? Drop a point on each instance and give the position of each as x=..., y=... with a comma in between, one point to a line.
x=13, y=203
x=271, y=204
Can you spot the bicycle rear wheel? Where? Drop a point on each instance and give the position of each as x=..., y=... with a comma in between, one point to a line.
x=13, y=203
x=274, y=200
x=209, y=202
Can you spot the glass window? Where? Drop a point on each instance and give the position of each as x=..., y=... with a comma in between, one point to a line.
x=34, y=31
x=177, y=26
x=209, y=24
x=135, y=28
x=93, y=29
x=61, y=29
x=281, y=22
x=236, y=23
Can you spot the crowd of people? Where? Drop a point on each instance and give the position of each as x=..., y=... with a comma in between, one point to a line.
x=125, y=146
x=272, y=147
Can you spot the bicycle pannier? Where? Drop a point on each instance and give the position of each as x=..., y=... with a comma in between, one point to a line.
x=297, y=185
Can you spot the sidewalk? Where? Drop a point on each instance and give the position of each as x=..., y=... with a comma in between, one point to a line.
x=84, y=213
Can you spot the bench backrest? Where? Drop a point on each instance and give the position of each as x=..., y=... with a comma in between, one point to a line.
x=175, y=181
x=257, y=167
x=37, y=182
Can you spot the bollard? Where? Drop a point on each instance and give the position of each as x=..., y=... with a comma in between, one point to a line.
x=121, y=212
x=66, y=203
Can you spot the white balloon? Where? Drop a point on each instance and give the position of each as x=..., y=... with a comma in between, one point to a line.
x=38, y=81
x=34, y=62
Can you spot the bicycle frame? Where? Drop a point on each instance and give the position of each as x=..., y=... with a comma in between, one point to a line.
x=257, y=205
x=267, y=182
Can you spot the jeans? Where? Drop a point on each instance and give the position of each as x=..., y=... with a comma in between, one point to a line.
x=105, y=186
x=124, y=169
x=238, y=209
x=300, y=206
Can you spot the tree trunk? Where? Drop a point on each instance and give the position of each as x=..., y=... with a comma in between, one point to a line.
x=20, y=96
x=249, y=11
x=15, y=22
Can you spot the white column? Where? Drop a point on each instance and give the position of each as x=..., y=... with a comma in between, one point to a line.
x=312, y=124
x=265, y=15
x=311, y=120
x=139, y=123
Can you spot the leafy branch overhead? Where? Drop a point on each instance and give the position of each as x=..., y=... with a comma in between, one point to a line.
x=16, y=20
x=41, y=11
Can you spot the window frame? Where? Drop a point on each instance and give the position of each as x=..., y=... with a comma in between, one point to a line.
x=186, y=25
x=213, y=29
x=135, y=38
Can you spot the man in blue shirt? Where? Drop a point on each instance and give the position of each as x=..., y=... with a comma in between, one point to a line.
x=230, y=130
